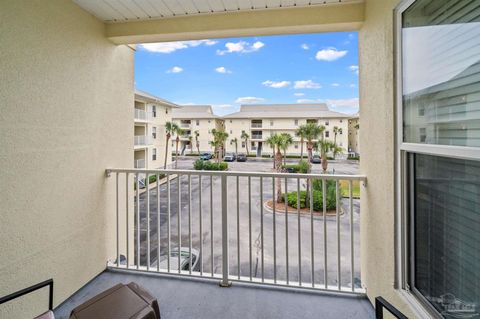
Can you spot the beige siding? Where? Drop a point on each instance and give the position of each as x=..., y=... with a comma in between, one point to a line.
x=66, y=96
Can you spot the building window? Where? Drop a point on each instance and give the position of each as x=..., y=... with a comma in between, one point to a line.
x=154, y=132
x=231, y=132
x=208, y=121
x=296, y=145
x=243, y=144
x=326, y=123
x=154, y=154
x=296, y=122
x=166, y=111
x=230, y=121
x=327, y=134
x=341, y=121
x=154, y=111
x=440, y=192
x=271, y=123
x=197, y=122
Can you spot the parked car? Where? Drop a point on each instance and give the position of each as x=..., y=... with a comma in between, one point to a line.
x=290, y=170
x=241, y=157
x=206, y=156
x=229, y=157
x=184, y=260
x=316, y=159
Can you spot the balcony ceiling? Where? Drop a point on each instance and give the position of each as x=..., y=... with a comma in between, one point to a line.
x=133, y=10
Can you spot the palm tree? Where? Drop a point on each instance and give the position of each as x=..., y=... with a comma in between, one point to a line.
x=178, y=132
x=235, y=141
x=300, y=132
x=219, y=138
x=222, y=138
x=312, y=132
x=272, y=141
x=324, y=147
x=336, y=130
x=190, y=139
x=285, y=141
x=170, y=128
x=245, y=137
x=197, y=143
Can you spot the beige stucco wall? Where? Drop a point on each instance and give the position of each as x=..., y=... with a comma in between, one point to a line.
x=377, y=200
x=66, y=95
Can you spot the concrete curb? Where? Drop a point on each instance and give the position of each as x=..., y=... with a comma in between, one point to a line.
x=153, y=185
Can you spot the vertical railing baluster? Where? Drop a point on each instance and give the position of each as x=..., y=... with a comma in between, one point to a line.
x=211, y=224
x=138, y=219
x=274, y=234
x=158, y=221
x=312, y=241
x=261, y=228
x=190, y=223
x=250, y=225
x=147, y=185
x=118, y=221
x=225, y=271
x=337, y=202
x=238, y=227
x=127, y=228
x=169, y=212
x=352, y=254
x=324, y=200
x=201, y=222
x=179, y=222
x=286, y=229
x=299, y=234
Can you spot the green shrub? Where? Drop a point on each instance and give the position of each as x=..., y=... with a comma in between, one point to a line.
x=317, y=199
x=354, y=158
x=198, y=164
x=209, y=166
x=301, y=167
x=317, y=184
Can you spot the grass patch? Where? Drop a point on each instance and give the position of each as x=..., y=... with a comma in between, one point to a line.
x=355, y=189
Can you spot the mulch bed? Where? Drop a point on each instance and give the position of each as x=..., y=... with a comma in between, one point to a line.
x=280, y=208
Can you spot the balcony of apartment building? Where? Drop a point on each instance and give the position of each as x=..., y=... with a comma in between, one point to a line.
x=185, y=124
x=256, y=124
x=142, y=116
x=256, y=135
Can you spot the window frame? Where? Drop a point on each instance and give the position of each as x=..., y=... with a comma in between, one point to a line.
x=404, y=177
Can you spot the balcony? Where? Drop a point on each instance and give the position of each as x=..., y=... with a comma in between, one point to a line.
x=256, y=136
x=142, y=140
x=185, y=125
x=142, y=116
x=228, y=229
x=139, y=163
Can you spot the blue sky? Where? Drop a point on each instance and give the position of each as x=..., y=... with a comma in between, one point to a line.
x=225, y=73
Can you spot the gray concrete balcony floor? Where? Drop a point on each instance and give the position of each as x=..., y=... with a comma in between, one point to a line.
x=203, y=298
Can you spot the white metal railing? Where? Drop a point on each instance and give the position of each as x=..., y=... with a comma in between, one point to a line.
x=256, y=136
x=185, y=125
x=140, y=140
x=142, y=115
x=235, y=229
x=139, y=163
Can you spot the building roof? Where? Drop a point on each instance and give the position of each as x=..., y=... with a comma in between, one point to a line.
x=147, y=97
x=261, y=111
x=194, y=112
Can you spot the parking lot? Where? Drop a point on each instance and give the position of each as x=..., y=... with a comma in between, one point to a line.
x=246, y=228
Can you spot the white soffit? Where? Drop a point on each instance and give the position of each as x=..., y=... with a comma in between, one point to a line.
x=133, y=10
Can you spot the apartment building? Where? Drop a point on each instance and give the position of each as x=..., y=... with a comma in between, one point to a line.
x=150, y=115
x=353, y=135
x=67, y=91
x=260, y=121
x=196, y=118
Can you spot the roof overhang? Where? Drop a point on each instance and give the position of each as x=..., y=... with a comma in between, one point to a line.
x=307, y=19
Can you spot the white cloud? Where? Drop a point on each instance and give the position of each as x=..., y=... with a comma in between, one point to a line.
x=241, y=47
x=249, y=100
x=353, y=68
x=305, y=46
x=276, y=85
x=354, y=102
x=222, y=69
x=336, y=85
x=169, y=47
x=299, y=94
x=175, y=69
x=330, y=54
x=352, y=86
x=306, y=84
x=304, y=101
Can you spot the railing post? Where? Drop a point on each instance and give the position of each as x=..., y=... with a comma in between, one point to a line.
x=225, y=270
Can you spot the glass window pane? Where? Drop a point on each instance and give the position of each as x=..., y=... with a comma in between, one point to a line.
x=441, y=72
x=447, y=234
